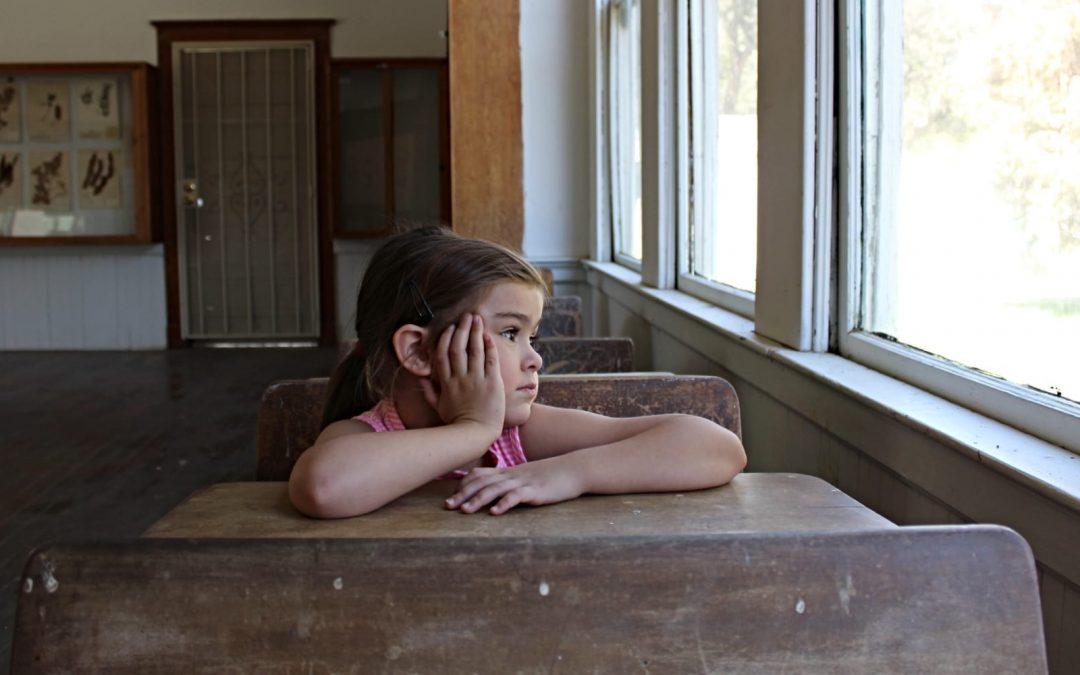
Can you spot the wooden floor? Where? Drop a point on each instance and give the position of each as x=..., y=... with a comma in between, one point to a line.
x=98, y=445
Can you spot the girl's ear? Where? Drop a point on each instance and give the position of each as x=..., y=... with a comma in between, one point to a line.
x=409, y=348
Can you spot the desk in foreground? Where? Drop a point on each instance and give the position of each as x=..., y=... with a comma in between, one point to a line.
x=753, y=502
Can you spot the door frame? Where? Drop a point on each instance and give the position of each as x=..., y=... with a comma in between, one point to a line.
x=317, y=31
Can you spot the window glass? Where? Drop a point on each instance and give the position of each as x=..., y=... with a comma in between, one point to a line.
x=362, y=151
x=624, y=125
x=971, y=246
x=723, y=143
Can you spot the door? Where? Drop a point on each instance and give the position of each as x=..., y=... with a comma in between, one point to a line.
x=245, y=163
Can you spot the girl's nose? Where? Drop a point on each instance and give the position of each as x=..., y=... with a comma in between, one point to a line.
x=533, y=360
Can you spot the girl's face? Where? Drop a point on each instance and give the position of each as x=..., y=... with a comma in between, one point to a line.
x=511, y=313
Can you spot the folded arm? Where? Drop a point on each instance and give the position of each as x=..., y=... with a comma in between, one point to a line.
x=351, y=470
x=573, y=452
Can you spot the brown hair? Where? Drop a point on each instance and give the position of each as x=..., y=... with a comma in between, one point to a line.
x=424, y=276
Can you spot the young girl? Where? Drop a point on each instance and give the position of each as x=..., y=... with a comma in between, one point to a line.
x=444, y=360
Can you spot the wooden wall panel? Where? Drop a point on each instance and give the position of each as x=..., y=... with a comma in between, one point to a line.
x=487, y=192
x=82, y=298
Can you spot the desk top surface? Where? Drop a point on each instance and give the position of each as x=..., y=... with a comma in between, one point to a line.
x=753, y=502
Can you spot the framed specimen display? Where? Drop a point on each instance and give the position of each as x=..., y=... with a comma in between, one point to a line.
x=75, y=153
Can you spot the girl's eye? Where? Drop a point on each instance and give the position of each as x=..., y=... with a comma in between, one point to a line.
x=532, y=340
x=510, y=334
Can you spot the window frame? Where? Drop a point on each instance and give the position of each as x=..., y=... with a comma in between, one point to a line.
x=877, y=29
x=810, y=102
x=691, y=86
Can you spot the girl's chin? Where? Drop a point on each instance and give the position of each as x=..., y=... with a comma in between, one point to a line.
x=518, y=417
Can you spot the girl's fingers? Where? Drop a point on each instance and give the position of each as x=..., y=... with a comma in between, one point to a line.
x=471, y=493
x=442, y=353
x=491, y=357
x=477, y=356
x=488, y=495
x=459, y=358
x=430, y=395
x=509, y=501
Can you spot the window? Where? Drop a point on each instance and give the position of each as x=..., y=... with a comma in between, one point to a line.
x=970, y=224
x=393, y=144
x=622, y=123
x=927, y=228
x=719, y=255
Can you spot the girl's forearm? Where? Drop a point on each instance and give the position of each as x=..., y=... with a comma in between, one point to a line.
x=682, y=453
x=357, y=473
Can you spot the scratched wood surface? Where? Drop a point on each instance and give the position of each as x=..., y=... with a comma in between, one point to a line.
x=561, y=317
x=753, y=502
x=290, y=411
x=949, y=599
x=573, y=355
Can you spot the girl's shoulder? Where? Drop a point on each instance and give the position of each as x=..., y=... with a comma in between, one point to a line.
x=345, y=428
x=383, y=417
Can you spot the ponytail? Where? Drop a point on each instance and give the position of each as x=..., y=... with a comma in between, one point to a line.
x=346, y=395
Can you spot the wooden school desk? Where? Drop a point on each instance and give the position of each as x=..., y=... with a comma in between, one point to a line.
x=753, y=502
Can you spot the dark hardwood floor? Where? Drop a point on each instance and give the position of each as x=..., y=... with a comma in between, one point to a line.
x=99, y=445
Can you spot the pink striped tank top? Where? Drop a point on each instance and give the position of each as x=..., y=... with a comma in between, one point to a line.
x=504, y=452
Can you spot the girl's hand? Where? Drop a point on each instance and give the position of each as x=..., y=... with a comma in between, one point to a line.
x=466, y=367
x=544, y=482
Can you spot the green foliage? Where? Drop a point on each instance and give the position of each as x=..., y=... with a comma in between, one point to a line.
x=1003, y=75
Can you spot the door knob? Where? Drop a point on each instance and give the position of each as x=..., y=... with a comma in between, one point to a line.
x=191, y=193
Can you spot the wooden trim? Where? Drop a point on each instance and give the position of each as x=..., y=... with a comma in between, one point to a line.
x=168, y=194
x=488, y=195
x=142, y=150
x=393, y=63
x=445, y=210
x=243, y=30
x=389, y=182
x=324, y=118
x=318, y=32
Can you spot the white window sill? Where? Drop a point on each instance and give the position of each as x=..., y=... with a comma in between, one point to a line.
x=1043, y=467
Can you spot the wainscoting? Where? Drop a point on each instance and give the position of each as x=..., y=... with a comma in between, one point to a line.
x=81, y=297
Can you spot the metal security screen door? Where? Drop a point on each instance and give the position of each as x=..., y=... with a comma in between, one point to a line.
x=246, y=215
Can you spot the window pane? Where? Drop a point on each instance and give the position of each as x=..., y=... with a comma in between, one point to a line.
x=417, y=182
x=723, y=230
x=972, y=247
x=624, y=124
x=362, y=169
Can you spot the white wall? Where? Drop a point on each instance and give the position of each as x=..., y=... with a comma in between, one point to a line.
x=555, y=126
x=120, y=30
x=82, y=297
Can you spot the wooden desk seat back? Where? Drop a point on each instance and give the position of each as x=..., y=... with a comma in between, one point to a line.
x=957, y=599
x=290, y=411
x=563, y=355
x=561, y=317
x=571, y=354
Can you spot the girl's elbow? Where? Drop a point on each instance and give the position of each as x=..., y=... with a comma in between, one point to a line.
x=730, y=456
x=323, y=496
x=311, y=496
x=734, y=458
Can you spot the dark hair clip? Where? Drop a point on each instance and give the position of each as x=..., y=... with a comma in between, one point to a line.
x=423, y=311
